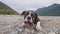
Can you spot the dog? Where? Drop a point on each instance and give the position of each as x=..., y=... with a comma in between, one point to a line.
x=31, y=19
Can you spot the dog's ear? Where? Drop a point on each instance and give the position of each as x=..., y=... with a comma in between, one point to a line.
x=36, y=17
x=23, y=13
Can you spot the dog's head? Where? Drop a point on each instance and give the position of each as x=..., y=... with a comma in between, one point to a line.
x=30, y=16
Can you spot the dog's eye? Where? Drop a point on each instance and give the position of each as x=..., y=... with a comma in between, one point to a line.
x=32, y=15
x=27, y=13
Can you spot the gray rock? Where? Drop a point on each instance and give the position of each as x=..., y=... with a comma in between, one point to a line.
x=9, y=24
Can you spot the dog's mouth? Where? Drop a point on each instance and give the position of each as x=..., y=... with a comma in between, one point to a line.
x=28, y=22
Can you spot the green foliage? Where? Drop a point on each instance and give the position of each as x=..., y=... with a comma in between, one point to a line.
x=5, y=9
x=10, y=12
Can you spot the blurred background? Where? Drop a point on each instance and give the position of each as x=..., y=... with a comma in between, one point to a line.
x=42, y=7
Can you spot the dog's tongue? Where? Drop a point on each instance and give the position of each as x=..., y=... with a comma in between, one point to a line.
x=27, y=22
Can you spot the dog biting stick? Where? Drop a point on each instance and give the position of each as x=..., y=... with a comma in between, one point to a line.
x=34, y=26
x=28, y=24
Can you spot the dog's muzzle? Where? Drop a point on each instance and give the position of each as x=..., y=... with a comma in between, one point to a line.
x=28, y=22
x=29, y=18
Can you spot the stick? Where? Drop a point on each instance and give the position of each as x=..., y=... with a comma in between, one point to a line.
x=34, y=26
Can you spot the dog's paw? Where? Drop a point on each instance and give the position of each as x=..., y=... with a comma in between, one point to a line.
x=38, y=28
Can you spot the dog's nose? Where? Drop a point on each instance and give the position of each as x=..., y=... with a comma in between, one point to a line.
x=29, y=18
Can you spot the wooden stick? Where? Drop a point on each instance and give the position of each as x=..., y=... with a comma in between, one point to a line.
x=34, y=27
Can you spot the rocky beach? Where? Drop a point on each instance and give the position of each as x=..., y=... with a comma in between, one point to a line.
x=9, y=24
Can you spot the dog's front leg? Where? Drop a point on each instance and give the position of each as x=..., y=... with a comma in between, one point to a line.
x=22, y=27
x=23, y=24
x=38, y=26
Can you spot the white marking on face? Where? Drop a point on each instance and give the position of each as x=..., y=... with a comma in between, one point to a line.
x=29, y=15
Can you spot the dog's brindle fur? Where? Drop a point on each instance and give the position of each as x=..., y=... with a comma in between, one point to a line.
x=34, y=17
